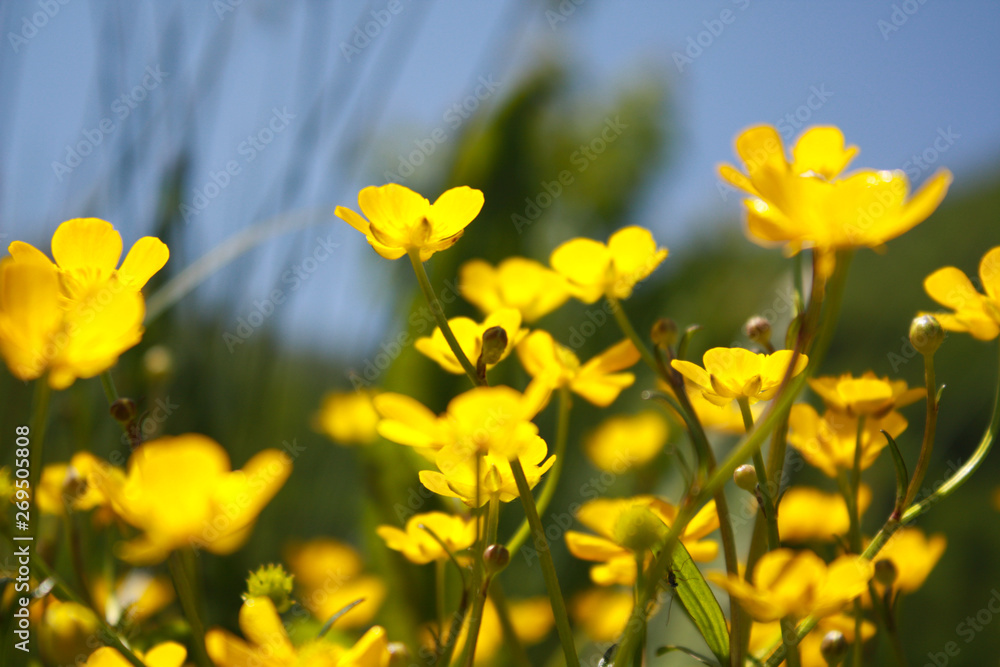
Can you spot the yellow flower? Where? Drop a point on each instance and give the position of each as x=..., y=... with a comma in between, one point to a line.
x=805, y=203
x=598, y=380
x=419, y=546
x=602, y=612
x=914, y=555
x=400, y=220
x=269, y=645
x=866, y=395
x=810, y=514
x=765, y=635
x=975, y=313
x=66, y=631
x=797, y=583
x=63, y=484
x=469, y=335
x=734, y=372
x=619, y=524
x=167, y=654
x=330, y=576
x=516, y=282
x=136, y=597
x=623, y=442
x=594, y=269
x=828, y=442
x=347, y=417
x=532, y=620
x=181, y=491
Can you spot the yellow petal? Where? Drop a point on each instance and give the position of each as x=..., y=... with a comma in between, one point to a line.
x=30, y=315
x=821, y=150
x=989, y=274
x=87, y=243
x=454, y=210
x=146, y=257
x=260, y=623
x=584, y=263
x=407, y=421
x=26, y=253
x=167, y=654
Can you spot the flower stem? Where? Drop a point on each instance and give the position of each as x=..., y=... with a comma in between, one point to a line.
x=438, y=310
x=548, y=567
x=184, y=584
x=511, y=640
x=39, y=419
x=767, y=503
x=626, y=326
x=787, y=637
x=552, y=479
x=930, y=426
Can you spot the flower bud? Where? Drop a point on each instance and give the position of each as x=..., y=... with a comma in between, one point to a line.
x=123, y=410
x=638, y=529
x=494, y=345
x=664, y=333
x=758, y=329
x=399, y=654
x=496, y=558
x=833, y=647
x=885, y=572
x=273, y=582
x=67, y=631
x=926, y=334
x=745, y=477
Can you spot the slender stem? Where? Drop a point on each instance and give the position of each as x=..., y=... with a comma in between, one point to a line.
x=511, y=640
x=788, y=638
x=108, y=384
x=552, y=479
x=930, y=426
x=548, y=567
x=76, y=553
x=763, y=485
x=440, y=573
x=438, y=310
x=630, y=333
x=39, y=419
x=185, y=593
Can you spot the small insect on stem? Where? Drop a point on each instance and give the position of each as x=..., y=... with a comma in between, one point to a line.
x=609, y=657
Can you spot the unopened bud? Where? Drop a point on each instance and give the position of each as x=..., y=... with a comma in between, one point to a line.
x=664, y=333
x=123, y=410
x=758, y=329
x=638, y=529
x=926, y=334
x=494, y=345
x=399, y=654
x=885, y=572
x=745, y=477
x=273, y=582
x=496, y=558
x=833, y=647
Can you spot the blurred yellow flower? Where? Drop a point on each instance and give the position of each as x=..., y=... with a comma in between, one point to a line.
x=624, y=442
x=469, y=335
x=532, y=620
x=619, y=524
x=136, y=597
x=270, y=646
x=914, y=555
x=67, y=483
x=593, y=269
x=66, y=632
x=797, y=583
x=532, y=288
x=330, y=575
x=399, y=219
x=181, y=491
x=554, y=365
x=866, y=395
x=167, y=654
x=828, y=442
x=419, y=546
x=763, y=636
x=808, y=514
x=734, y=373
x=975, y=313
x=602, y=612
x=804, y=203
x=347, y=417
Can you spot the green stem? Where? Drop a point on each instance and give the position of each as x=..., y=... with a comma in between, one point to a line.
x=930, y=426
x=791, y=649
x=39, y=421
x=108, y=384
x=764, y=486
x=181, y=575
x=440, y=572
x=552, y=479
x=626, y=326
x=511, y=640
x=438, y=310
x=548, y=567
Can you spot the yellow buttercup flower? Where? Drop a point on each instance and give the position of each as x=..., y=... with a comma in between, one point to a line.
x=167, y=654
x=797, y=583
x=330, y=575
x=554, y=365
x=810, y=514
x=602, y=612
x=594, y=269
x=66, y=483
x=806, y=203
x=135, y=597
x=347, y=417
x=622, y=524
x=66, y=631
x=180, y=491
x=828, y=442
x=400, y=220
x=975, y=313
x=532, y=288
x=270, y=646
x=469, y=335
x=624, y=442
x=419, y=546
x=914, y=555
x=734, y=372
x=866, y=395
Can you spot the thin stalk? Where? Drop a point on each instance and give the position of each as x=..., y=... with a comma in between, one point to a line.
x=480, y=578
x=440, y=572
x=438, y=310
x=787, y=636
x=39, y=419
x=930, y=426
x=513, y=643
x=630, y=333
x=548, y=567
x=185, y=593
x=552, y=479
x=767, y=506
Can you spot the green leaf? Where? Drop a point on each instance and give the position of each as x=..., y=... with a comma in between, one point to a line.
x=700, y=603
x=663, y=650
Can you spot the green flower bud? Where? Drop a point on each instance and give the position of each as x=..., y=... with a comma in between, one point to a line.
x=494, y=345
x=926, y=334
x=273, y=582
x=664, y=333
x=123, y=410
x=758, y=329
x=833, y=647
x=496, y=558
x=745, y=477
x=639, y=529
x=885, y=572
